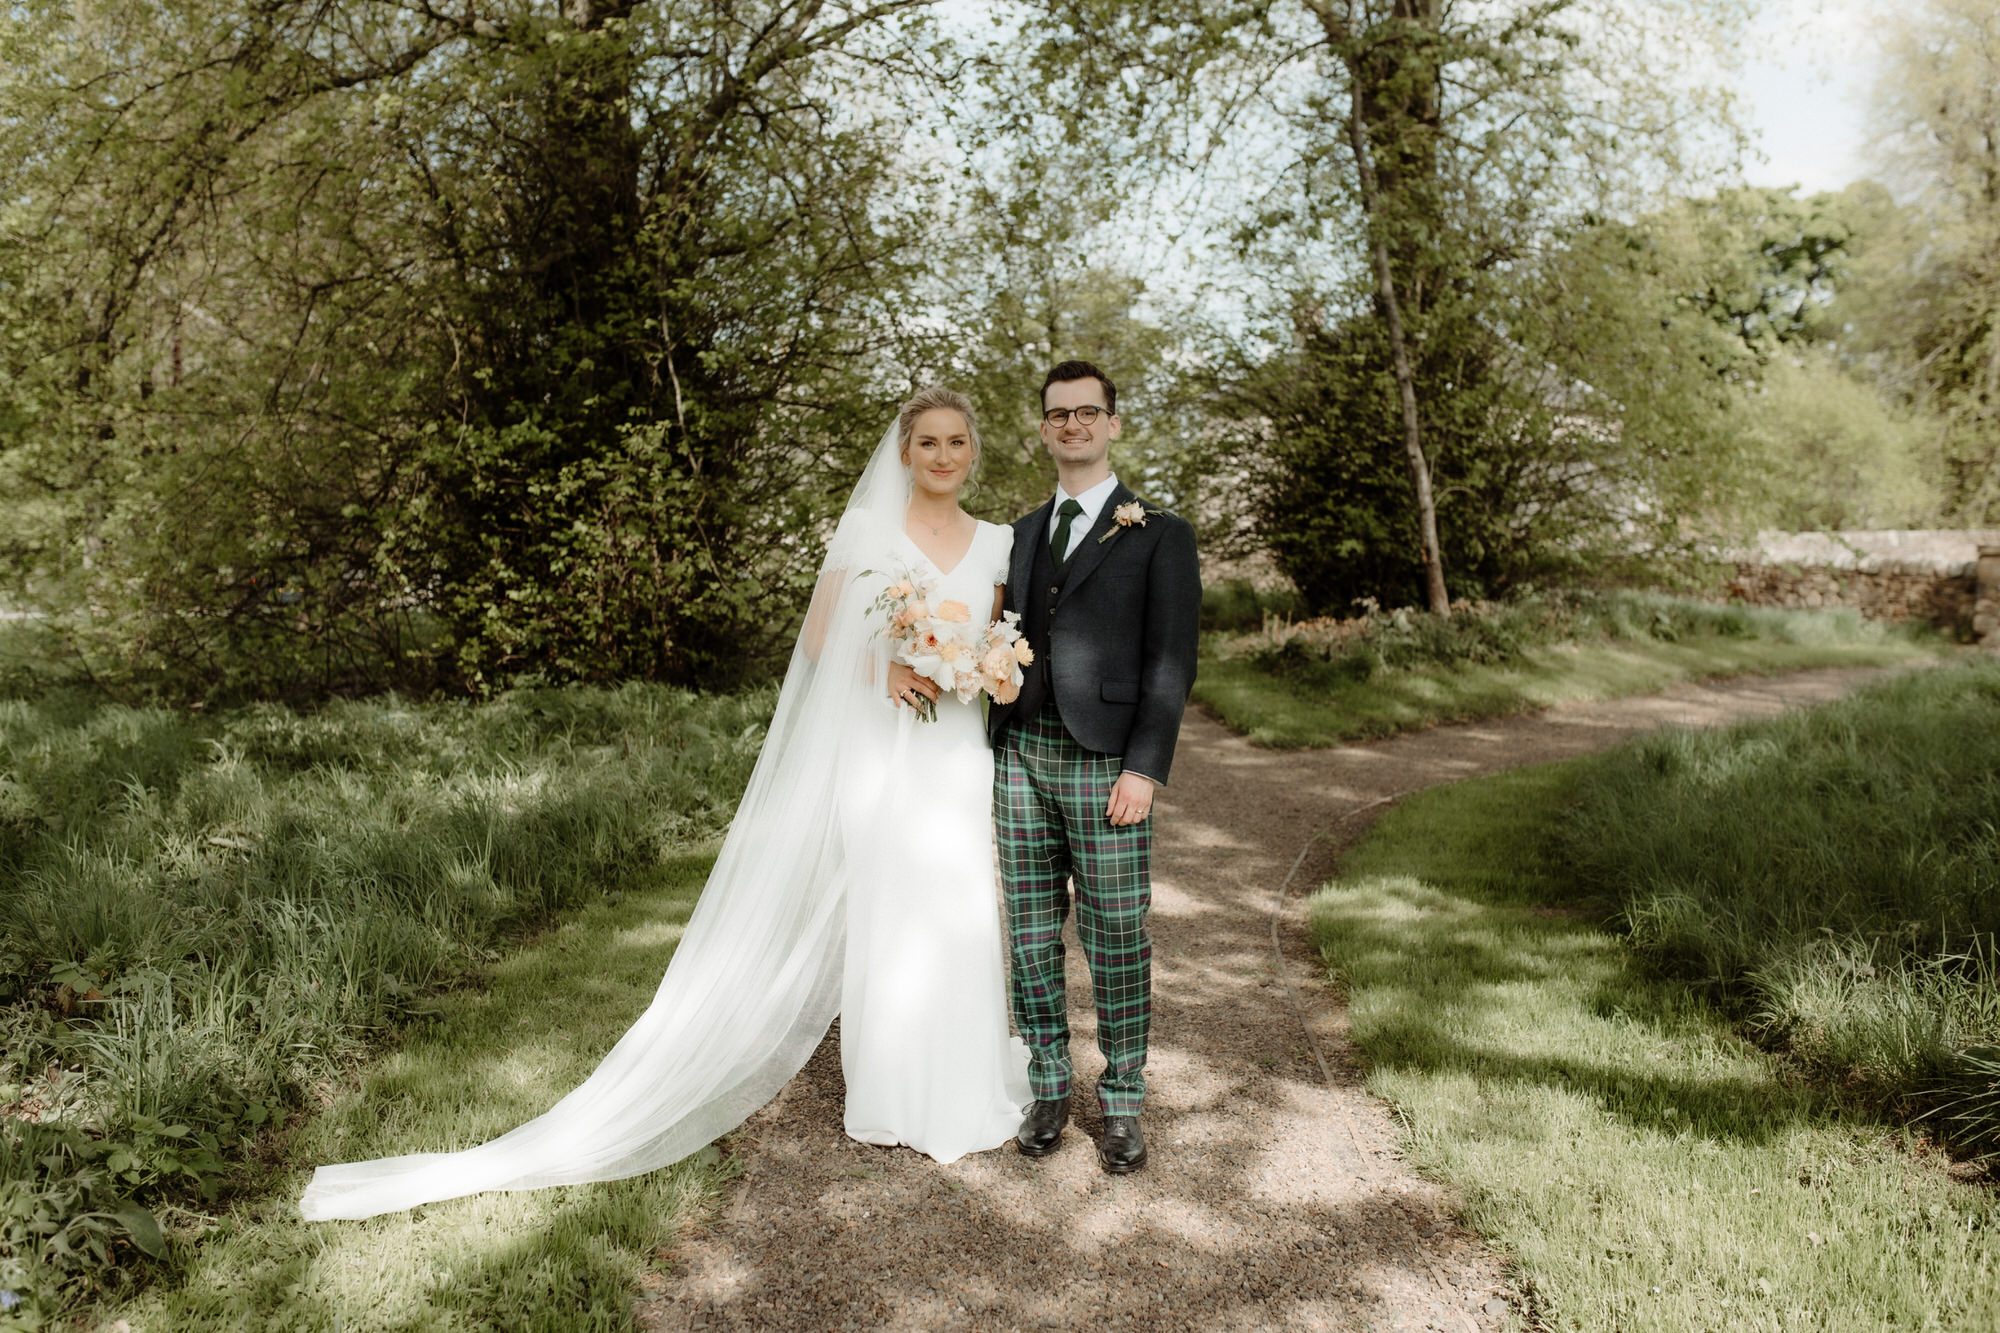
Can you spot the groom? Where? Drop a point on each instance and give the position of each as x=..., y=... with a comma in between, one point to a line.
x=1109, y=596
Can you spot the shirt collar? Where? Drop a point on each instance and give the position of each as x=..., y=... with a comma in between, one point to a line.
x=1092, y=500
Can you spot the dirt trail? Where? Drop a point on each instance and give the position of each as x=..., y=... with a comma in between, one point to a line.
x=1274, y=1197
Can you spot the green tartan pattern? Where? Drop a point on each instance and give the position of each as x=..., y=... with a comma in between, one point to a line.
x=1049, y=798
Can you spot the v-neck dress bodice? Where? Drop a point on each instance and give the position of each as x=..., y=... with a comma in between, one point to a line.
x=985, y=558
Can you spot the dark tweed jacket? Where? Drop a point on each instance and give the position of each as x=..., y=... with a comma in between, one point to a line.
x=1115, y=638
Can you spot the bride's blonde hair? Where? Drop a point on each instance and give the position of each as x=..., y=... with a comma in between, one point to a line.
x=926, y=400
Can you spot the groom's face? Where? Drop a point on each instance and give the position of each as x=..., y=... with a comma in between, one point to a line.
x=1074, y=443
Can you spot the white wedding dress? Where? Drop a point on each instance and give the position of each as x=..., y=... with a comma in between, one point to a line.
x=923, y=1021
x=858, y=874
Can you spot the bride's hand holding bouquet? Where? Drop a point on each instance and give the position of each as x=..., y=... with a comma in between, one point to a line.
x=938, y=643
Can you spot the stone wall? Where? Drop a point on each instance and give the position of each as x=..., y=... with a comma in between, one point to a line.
x=1986, y=601
x=1951, y=579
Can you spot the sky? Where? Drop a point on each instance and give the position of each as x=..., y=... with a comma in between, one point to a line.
x=1806, y=88
x=1805, y=85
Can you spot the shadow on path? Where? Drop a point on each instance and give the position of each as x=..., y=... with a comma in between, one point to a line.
x=1274, y=1198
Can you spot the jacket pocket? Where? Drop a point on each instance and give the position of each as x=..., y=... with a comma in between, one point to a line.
x=1120, y=691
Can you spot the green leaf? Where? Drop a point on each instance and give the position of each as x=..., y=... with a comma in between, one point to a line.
x=144, y=1229
x=71, y=975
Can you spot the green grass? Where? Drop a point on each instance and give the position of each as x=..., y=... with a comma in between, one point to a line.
x=1645, y=1165
x=1832, y=876
x=1315, y=685
x=497, y=1053
x=205, y=921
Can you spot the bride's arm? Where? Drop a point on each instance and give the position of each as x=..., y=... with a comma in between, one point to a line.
x=813, y=637
x=999, y=601
x=900, y=681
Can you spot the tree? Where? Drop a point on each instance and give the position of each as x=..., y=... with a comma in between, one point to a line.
x=1792, y=283
x=1426, y=165
x=359, y=343
x=1833, y=453
x=1395, y=109
x=1768, y=263
x=1937, y=292
x=1032, y=277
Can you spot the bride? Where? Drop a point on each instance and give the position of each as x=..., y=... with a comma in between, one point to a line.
x=857, y=879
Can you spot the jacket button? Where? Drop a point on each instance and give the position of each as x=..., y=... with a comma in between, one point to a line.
x=1054, y=592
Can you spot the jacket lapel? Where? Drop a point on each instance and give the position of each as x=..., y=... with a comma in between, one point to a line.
x=1095, y=547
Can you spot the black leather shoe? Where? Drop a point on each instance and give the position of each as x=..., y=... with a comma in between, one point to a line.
x=1122, y=1150
x=1043, y=1127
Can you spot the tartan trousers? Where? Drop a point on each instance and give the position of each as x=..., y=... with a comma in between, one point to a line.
x=1049, y=795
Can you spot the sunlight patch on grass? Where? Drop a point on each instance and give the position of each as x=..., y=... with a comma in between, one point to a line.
x=1646, y=1167
x=498, y=1052
x=1288, y=714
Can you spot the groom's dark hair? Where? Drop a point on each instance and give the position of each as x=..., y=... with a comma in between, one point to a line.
x=1066, y=371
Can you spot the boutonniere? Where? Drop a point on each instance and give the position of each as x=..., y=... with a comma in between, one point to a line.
x=1125, y=516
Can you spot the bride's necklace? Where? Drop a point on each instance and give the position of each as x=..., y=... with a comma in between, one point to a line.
x=951, y=522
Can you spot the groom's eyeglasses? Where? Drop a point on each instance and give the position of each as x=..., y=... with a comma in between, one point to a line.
x=1059, y=416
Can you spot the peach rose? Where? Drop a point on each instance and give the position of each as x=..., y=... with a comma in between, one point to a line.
x=1023, y=653
x=951, y=650
x=901, y=588
x=998, y=664
x=956, y=612
x=1006, y=692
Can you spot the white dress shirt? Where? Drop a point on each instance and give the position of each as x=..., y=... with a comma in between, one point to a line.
x=1092, y=501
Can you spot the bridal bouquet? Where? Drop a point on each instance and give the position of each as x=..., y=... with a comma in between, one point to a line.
x=937, y=640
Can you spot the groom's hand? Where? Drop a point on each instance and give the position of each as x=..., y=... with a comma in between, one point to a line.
x=1131, y=799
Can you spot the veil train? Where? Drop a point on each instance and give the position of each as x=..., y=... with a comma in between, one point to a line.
x=756, y=980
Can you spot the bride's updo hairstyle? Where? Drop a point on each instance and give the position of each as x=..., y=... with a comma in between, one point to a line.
x=925, y=400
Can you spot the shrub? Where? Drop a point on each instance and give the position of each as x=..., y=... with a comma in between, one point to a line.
x=1235, y=605
x=68, y=1220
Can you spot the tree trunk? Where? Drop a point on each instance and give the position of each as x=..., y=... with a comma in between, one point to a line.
x=1399, y=350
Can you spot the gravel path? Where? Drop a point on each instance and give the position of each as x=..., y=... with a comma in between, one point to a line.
x=1274, y=1197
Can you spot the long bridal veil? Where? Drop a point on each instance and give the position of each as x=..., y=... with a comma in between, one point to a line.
x=756, y=981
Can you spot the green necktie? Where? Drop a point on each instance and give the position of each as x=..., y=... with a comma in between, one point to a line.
x=1059, y=547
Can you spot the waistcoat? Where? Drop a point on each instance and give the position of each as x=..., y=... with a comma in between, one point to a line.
x=1037, y=614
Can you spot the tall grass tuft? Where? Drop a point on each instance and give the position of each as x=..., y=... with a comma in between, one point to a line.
x=1833, y=876
x=203, y=917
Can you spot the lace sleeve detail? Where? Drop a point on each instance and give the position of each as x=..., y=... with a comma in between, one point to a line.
x=1002, y=547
